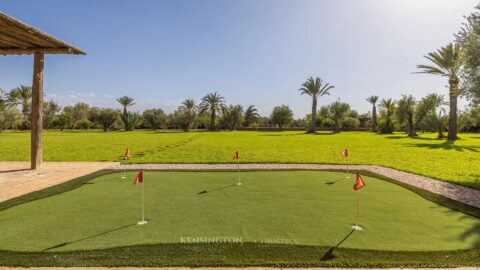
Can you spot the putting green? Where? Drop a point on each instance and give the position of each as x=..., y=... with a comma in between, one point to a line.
x=286, y=207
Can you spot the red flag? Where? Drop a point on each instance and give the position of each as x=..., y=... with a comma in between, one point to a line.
x=235, y=155
x=139, y=178
x=345, y=153
x=359, y=183
x=127, y=153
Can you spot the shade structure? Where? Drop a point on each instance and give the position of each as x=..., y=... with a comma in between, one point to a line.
x=17, y=38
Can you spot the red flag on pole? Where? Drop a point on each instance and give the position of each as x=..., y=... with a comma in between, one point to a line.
x=235, y=155
x=345, y=153
x=127, y=153
x=359, y=183
x=139, y=178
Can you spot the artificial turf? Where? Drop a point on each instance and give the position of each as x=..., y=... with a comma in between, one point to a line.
x=456, y=162
x=293, y=208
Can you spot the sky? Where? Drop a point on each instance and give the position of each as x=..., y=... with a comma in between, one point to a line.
x=250, y=51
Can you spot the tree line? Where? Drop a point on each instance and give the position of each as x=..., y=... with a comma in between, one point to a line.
x=213, y=113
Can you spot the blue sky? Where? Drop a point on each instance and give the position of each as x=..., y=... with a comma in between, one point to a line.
x=251, y=51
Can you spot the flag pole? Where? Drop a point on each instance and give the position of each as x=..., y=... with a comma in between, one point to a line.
x=347, y=164
x=143, y=222
x=125, y=167
x=356, y=218
x=238, y=173
x=356, y=226
x=348, y=154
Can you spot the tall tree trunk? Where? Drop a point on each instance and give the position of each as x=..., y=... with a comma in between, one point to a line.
x=440, y=131
x=452, y=121
x=411, y=127
x=212, y=120
x=374, y=118
x=314, y=116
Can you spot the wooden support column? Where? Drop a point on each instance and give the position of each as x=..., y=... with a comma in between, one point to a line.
x=37, y=111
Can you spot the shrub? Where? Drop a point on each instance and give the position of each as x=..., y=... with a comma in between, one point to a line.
x=9, y=118
x=155, y=118
x=84, y=124
x=131, y=120
x=281, y=116
x=350, y=123
x=385, y=127
x=107, y=118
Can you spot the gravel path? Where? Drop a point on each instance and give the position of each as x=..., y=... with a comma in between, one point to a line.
x=455, y=192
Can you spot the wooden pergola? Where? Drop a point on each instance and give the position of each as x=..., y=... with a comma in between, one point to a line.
x=17, y=38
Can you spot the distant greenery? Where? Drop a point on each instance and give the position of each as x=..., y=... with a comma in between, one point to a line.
x=315, y=89
x=212, y=103
x=446, y=160
x=281, y=116
x=447, y=62
x=373, y=100
x=467, y=38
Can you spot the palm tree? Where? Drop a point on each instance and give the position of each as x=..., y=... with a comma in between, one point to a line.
x=389, y=106
x=315, y=89
x=125, y=101
x=406, y=113
x=373, y=100
x=233, y=116
x=251, y=115
x=212, y=103
x=2, y=100
x=189, y=105
x=188, y=109
x=447, y=63
x=50, y=110
x=21, y=96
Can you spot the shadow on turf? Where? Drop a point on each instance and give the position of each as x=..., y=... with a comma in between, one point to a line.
x=335, y=181
x=447, y=145
x=89, y=237
x=215, y=189
x=100, y=181
x=329, y=254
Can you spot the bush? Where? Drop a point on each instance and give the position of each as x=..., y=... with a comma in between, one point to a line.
x=384, y=128
x=155, y=118
x=350, y=123
x=281, y=116
x=132, y=120
x=84, y=124
x=327, y=122
x=107, y=118
x=9, y=118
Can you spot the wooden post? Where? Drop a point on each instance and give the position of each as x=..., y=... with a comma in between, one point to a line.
x=37, y=111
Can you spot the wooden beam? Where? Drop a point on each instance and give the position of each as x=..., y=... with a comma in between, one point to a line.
x=37, y=111
x=6, y=51
x=17, y=26
x=24, y=36
x=12, y=41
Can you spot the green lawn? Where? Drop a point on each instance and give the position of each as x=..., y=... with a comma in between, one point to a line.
x=293, y=207
x=456, y=162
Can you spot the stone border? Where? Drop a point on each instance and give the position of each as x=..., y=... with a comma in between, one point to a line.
x=452, y=191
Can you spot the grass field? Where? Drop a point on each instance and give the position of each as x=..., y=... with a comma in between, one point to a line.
x=287, y=207
x=456, y=162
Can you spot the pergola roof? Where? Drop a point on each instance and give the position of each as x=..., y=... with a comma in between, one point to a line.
x=17, y=37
